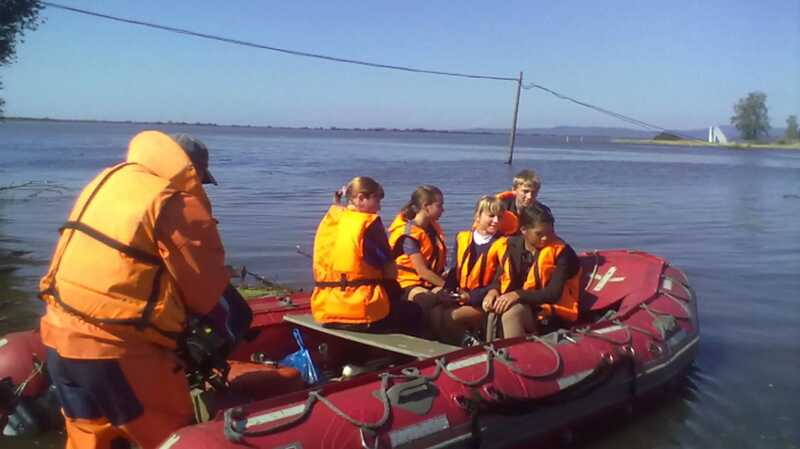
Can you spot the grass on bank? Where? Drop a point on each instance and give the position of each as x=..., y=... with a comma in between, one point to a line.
x=700, y=143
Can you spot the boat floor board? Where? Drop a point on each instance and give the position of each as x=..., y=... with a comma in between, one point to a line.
x=398, y=343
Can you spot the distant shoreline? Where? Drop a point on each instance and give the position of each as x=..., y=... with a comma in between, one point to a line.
x=700, y=143
x=317, y=128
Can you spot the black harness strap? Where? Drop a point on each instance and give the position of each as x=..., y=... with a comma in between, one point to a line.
x=343, y=283
x=135, y=253
x=139, y=323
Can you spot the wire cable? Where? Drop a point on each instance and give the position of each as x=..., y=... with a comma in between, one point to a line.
x=272, y=48
x=624, y=118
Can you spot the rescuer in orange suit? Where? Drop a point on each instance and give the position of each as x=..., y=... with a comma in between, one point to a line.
x=140, y=251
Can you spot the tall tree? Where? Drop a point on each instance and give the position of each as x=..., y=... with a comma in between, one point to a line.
x=750, y=116
x=791, y=128
x=16, y=16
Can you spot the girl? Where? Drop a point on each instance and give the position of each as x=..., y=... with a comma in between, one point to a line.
x=479, y=255
x=417, y=242
x=354, y=272
x=542, y=275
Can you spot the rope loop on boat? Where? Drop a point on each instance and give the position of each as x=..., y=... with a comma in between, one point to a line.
x=644, y=331
x=382, y=395
x=503, y=356
x=441, y=365
x=236, y=422
x=677, y=301
x=628, y=336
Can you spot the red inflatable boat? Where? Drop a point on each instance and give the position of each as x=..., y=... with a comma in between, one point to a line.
x=638, y=332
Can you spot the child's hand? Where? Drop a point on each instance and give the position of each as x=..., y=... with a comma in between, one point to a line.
x=489, y=300
x=505, y=302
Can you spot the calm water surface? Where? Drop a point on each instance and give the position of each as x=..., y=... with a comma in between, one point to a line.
x=729, y=218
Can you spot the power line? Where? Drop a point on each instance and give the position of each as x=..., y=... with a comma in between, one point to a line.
x=617, y=115
x=624, y=118
x=272, y=48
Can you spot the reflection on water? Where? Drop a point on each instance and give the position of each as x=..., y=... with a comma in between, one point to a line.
x=727, y=217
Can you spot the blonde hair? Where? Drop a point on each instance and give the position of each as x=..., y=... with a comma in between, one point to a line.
x=490, y=204
x=422, y=195
x=360, y=184
x=527, y=176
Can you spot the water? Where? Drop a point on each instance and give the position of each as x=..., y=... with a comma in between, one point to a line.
x=727, y=217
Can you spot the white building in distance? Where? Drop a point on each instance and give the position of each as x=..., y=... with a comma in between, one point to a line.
x=715, y=135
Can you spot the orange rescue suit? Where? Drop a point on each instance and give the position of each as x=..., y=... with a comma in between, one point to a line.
x=434, y=252
x=347, y=289
x=539, y=276
x=481, y=272
x=108, y=271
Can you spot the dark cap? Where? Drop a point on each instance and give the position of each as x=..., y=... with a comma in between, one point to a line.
x=198, y=153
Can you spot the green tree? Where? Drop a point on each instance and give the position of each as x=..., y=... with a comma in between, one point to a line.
x=16, y=16
x=791, y=128
x=750, y=116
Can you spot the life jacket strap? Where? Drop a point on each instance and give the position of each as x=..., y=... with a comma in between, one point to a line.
x=343, y=283
x=130, y=251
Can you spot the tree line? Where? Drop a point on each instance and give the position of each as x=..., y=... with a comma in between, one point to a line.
x=16, y=17
x=751, y=118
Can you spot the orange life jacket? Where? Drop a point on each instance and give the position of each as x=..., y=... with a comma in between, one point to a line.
x=108, y=271
x=509, y=225
x=433, y=251
x=539, y=276
x=347, y=289
x=483, y=270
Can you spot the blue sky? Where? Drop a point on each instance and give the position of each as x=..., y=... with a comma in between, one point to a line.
x=678, y=64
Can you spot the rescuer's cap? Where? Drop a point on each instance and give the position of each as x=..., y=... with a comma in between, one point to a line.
x=198, y=153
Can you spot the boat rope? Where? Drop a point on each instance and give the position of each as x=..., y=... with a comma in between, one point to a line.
x=503, y=356
x=38, y=367
x=235, y=421
x=596, y=335
x=644, y=331
x=382, y=395
x=679, y=302
x=442, y=364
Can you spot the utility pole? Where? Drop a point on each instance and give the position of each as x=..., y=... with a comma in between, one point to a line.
x=514, y=125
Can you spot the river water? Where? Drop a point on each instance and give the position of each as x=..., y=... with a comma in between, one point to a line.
x=728, y=218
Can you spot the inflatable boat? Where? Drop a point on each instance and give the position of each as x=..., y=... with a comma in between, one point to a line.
x=638, y=333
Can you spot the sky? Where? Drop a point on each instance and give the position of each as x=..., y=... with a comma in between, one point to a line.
x=677, y=64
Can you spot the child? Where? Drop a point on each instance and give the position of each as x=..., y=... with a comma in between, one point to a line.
x=418, y=244
x=542, y=274
x=354, y=271
x=524, y=190
x=479, y=253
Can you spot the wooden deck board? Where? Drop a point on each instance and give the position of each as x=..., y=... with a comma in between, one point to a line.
x=399, y=343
